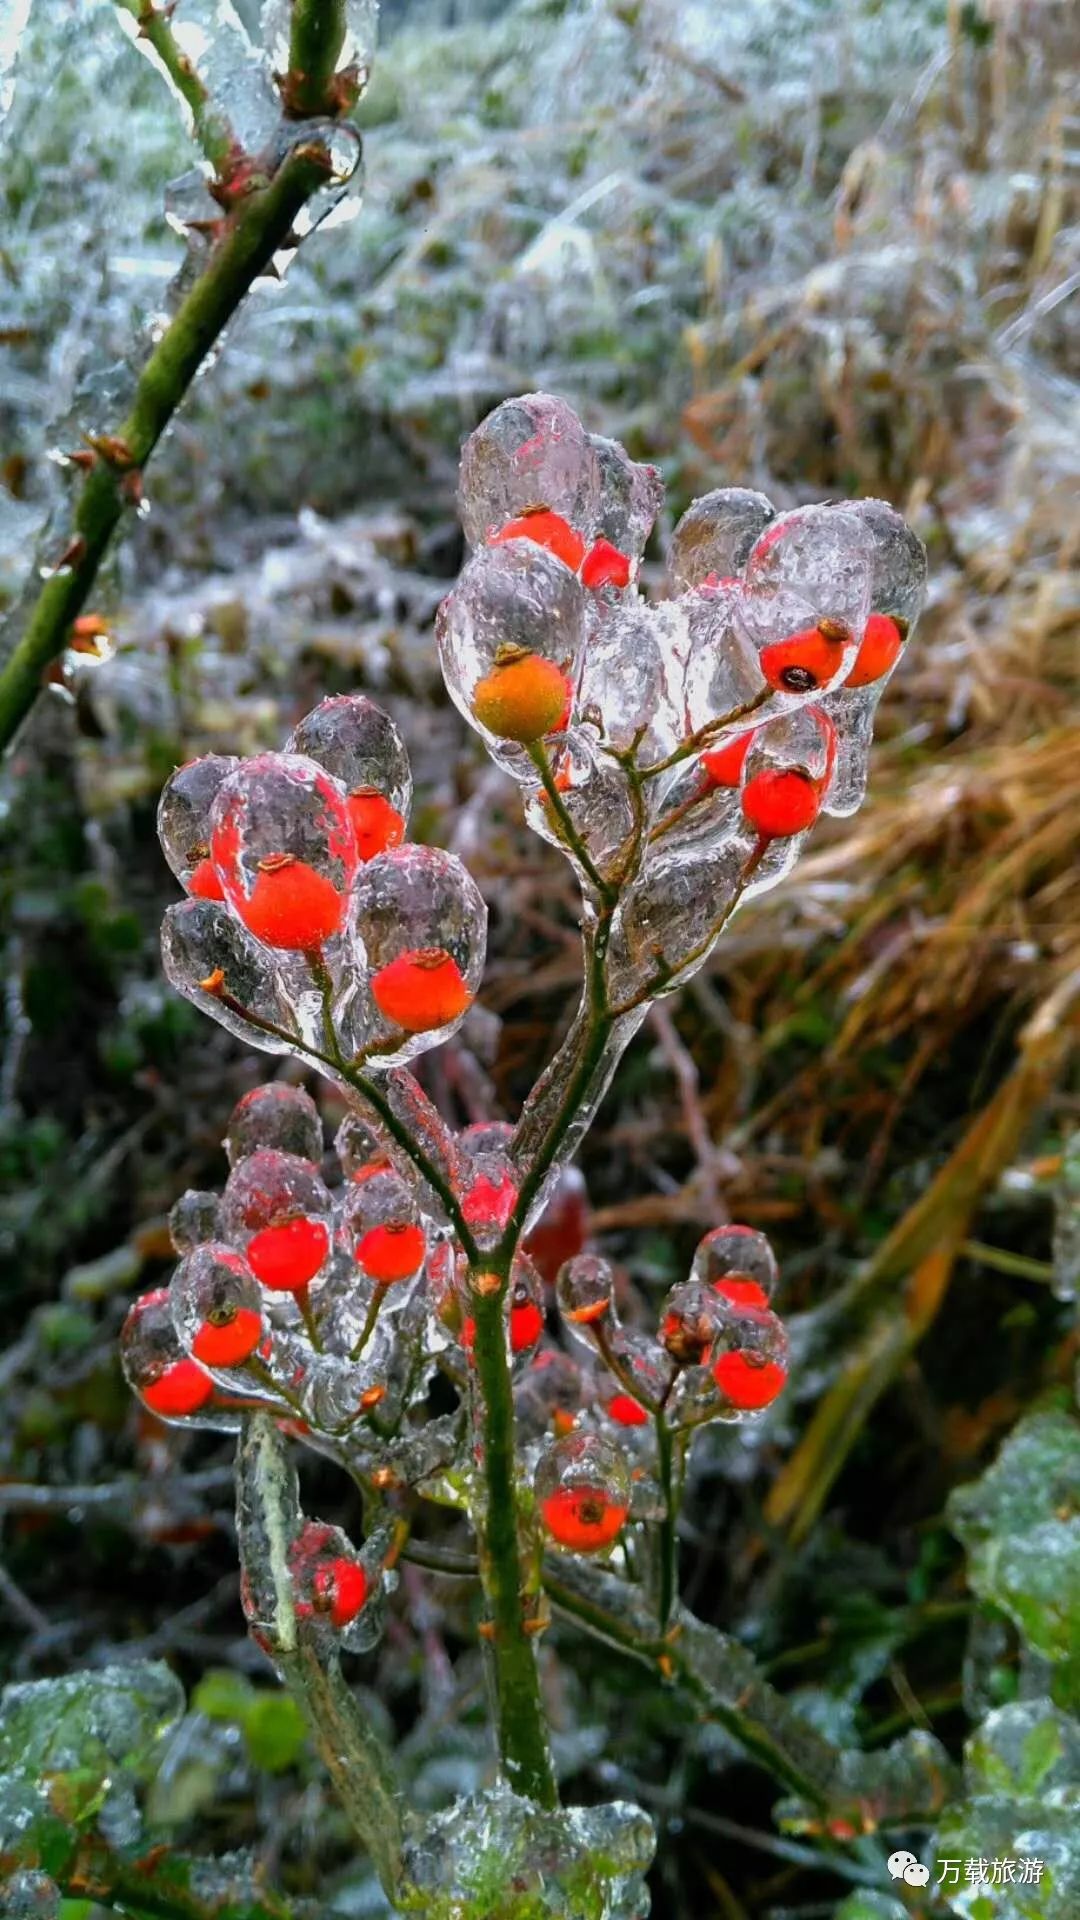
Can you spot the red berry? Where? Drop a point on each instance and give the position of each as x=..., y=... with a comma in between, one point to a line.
x=605, y=566
x=340, y=1588
x=290, y=905
x=748, y=1381
x=880, y=648
x=807, y=659
x=741, y=1291
x=376, y=824
x=781, y=800
x=287, y=1257
x=226, y=1341
x=203, y=882
x=421, y=989
x=526, y=1325
x=391, y=1252
x=488, y=1203
x=723, y=766
x=583, y=1518
x=183, y=1388
x=627, y=1411
x=545, y=529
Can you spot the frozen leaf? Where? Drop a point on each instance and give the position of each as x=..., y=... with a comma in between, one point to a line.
x=1018, y=1524
x=30, y=1896
x=1021, y=1806
x=103, y=1721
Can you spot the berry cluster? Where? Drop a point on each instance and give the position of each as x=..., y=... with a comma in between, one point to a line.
x=310, y=921
x=333, y=1307
x=702, y=735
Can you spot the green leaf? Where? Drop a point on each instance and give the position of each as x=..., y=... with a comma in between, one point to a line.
x=275, y=1732
x=223, y=1695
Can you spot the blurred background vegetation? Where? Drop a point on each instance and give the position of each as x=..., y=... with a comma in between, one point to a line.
x=812, y=248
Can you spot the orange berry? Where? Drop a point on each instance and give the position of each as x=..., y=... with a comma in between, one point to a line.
x=723, y=766
x=748, y=1381
x=522, y=699
x=287, y=1257
x=376, y=824
x=545, y=529
x=391, y=1252
x=880, y=648
x=421, y=989
x=627, y=1411
x=807, y=659
x=183, y=1388
x=204, y=883
x=605, y=566
x=583, y=1518
x=340, y=1589
x=781, y=800
x=226, y=1341
x=290, y=905
x=741, y=1291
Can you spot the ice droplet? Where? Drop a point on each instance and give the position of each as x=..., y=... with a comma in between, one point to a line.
x=715, y=535
x=531, y=452
x=278, y=1116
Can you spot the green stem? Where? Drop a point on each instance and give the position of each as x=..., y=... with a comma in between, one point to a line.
x=209, y=124
x=258, y=229
x=570, y=833
x=669, y=1535
x=523, y=1740
x=268, y=1522
x=726, y=1682
x=695, y=741
x=316, y=38
x=302, y=1296
x=581, y=1055
x=368, y=1328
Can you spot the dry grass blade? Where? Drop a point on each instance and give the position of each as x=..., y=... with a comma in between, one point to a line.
x=922, y=1250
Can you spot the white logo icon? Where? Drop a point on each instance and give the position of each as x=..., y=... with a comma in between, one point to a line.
x=904, y=1866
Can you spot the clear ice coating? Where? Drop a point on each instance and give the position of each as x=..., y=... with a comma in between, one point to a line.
x=498, y=1851
x=361, y=27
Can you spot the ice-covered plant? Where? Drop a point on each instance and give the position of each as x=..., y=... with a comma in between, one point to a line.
x=677, y=754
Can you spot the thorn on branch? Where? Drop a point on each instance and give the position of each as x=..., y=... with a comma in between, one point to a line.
x=73, y=553
x=113, y=449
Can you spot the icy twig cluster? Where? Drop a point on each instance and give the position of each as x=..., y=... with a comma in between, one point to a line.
x=678, y=754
